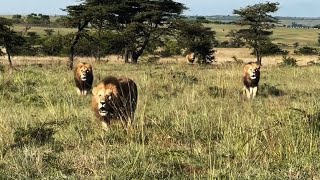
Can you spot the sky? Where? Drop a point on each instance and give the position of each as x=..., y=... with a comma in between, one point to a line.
x=293, y=8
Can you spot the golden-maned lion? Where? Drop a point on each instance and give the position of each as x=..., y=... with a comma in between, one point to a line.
x=190, y=57
x=83, y=77
x=251, y=77
x=115, y=98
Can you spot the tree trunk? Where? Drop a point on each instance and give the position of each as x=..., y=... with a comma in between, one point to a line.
x=81, y=27
x=9, y=58
x=72, y=51
x=126, y=55
x=134, y=57
x=136, y=54
x=99, y=45
x=258, y=56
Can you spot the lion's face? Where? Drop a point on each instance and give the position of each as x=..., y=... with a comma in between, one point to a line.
x=84, y=71
x=103, y=98
x=191, y=56
x=253, y=71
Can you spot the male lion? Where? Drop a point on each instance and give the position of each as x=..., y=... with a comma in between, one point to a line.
x=83, y=77
x=115, y=98
x=190, y=57
x=251, y=77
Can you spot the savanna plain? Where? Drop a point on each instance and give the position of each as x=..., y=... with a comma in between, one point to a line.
x=192, y=122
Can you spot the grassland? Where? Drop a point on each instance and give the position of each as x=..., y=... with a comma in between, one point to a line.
x=41, y=30
x=287, y=36
x=192, y=122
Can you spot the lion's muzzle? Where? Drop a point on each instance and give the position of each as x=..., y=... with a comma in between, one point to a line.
x=253, y=76
x=83, y=77
x=102, y=109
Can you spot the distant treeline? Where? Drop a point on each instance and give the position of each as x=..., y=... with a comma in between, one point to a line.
x=39, y=20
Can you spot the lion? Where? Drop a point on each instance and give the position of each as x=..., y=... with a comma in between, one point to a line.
x=83, y=77
x=190, y=58
x=115, y=99
x=251, y=77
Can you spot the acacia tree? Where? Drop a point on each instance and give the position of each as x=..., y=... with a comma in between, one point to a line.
x=137, y=22
x=9, y=39
x=257, y=21
x=196, y=38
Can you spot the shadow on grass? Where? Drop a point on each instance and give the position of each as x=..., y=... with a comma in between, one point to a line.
x=183, y=77
x=39, y=135
x=33, y=135
x=266, y=90
x=313, y=120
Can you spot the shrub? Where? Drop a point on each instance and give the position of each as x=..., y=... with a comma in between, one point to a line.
x=288, y=61
x=306, y=50
x=170, y=48
x=53, y=45
x=270, y=48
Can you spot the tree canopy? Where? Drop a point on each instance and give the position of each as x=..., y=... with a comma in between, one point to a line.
x=138, y=22
x=9, y=39
x=257, y=21
x=194, y=37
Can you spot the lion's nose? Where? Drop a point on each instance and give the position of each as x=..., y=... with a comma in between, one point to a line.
x=103, y=104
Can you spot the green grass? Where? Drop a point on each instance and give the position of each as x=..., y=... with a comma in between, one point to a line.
x=288, y=36
x=192, y=122
x=40, y=30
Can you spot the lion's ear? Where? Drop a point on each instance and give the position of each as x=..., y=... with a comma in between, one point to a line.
x=94, y=91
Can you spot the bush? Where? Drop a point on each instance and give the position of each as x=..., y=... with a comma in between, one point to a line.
x=235, y=41
x=288, y=61
x=306, y=50
x=53, y=45
x=170, y=48
x=266, y=90
x=270, y=48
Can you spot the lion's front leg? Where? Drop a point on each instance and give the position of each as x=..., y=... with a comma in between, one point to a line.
x=246, y=91
x=254, y=91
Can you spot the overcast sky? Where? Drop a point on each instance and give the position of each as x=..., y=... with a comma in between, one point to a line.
x=294, y=8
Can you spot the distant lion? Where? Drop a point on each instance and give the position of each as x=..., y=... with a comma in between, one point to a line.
x=83, y=77
x=115, y=99
x=251, y=77
x=190, y=57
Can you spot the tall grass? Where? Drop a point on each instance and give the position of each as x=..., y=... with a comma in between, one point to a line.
x=192, y=122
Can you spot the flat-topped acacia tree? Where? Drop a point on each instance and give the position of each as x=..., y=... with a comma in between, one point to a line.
x=138, y=22
x=256, y=21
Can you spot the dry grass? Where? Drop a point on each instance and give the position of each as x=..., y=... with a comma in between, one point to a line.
x=192, y=122
x=222, y=55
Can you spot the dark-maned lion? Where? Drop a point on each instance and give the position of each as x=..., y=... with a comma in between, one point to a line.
x=251, y=77
x=115, y=98
x=190, y=57
x=83, y=77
